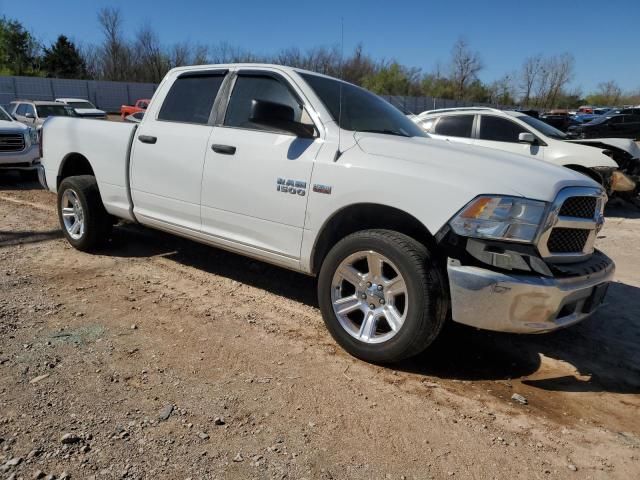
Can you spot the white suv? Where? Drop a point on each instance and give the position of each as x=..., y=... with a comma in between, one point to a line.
x=520, y=133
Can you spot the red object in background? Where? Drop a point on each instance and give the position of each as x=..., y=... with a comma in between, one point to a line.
x=140, y=106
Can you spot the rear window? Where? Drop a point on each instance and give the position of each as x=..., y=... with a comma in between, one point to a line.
x=190, y=99
x=499, y=129
x=455, y=126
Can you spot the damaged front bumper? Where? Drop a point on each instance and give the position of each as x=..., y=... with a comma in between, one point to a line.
x=521, y=303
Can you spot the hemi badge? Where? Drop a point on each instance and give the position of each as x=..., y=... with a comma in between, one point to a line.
x=322, y=188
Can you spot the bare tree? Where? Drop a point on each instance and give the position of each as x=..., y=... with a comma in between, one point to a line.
x=465, y=65
x=531, y=71
x=610, y=92
x=152, y=63
x=115, y=53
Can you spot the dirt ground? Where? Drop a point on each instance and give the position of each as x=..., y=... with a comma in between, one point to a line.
x=162, y=358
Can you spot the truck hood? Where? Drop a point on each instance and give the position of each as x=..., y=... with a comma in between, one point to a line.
x=625, y=144
x=12, y=127
x=477, y=170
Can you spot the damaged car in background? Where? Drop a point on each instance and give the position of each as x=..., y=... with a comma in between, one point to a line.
x=612, y=163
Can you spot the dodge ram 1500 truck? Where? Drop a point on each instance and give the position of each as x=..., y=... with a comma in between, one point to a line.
x=317, y=175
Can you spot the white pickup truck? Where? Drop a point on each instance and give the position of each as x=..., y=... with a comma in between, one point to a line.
x=317, y=175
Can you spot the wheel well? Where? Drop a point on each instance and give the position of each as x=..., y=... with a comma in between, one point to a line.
x=367, y=216
x=74, y=164
x=586, y=171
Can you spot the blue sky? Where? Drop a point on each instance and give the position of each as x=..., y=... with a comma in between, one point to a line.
x=603, y=36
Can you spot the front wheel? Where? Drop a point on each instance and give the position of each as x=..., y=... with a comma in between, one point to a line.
x=83, y=218
x=382, y=296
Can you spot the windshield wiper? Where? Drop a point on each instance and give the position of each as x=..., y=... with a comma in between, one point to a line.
x=386, y=132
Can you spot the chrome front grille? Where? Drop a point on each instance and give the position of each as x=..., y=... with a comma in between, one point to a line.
x=11, y=142
x=580, y=207
x=567, y=240
x=574, y=219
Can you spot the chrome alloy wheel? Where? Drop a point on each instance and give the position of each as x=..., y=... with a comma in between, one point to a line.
x=369, y=297
x=72, y=214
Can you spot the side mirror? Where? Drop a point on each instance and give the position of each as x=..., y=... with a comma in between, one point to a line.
x=526, y=137
x=279, y=117
x=29, y=115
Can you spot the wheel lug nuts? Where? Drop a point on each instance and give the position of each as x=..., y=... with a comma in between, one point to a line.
x=372, y=306
x=363, y=296
x=382, y=301
x=368, y=284
x=380, y=287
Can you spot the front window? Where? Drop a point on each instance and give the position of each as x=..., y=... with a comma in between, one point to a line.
x=542, y=127
x=260, y=87
x=81, y=104
x=499, y=129
x=45, y=111
x=360, y=110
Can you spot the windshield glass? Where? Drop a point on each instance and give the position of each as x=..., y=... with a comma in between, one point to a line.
x=45, y=111
x=362, y=111
x=542, y=127
x=81, y=104
x=4, y=115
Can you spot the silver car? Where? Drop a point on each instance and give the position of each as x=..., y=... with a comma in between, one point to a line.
x=19, y=147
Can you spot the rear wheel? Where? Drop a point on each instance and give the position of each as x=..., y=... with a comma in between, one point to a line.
x=381, y=295
x=83, y=218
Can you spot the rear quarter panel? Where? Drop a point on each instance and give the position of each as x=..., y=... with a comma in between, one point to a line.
x=104, y=144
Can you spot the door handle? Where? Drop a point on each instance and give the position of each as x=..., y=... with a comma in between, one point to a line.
x=223, y=149
x=147, y=139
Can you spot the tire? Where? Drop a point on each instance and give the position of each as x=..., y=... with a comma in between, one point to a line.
x=418, y=314
x=95, y=223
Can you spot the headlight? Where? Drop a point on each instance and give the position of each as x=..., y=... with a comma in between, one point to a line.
x=500, y=218
x=33, y=135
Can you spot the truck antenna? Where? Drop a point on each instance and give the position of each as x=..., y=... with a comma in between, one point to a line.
x=339, y=152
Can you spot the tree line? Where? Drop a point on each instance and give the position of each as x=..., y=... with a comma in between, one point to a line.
x=542, y=82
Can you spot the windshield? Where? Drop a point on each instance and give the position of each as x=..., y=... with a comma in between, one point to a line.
x=81, y=104
x=362, y=111
x=542, y=127
x=45, y=111
x=4, y=115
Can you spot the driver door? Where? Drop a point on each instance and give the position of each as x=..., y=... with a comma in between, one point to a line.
x=256, y=180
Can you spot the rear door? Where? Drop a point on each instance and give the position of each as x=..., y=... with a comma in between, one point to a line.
x=169, y=151
x=256, y=179
x=454, y=128
x=502, y=134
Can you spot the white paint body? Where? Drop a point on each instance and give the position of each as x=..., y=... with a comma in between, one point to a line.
x=558, y=152
x=180, y=185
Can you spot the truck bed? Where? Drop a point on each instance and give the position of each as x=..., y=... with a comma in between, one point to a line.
x=106, y=144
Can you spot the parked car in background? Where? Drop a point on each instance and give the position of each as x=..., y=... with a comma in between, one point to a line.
x=36, y=112
x=585, y=109
x=323, y=177
x=134, y=117
x=522, y=134
x=616, y=126
x=84, y=108
x=559, y=119
x=140, y=106
x=19, y=147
